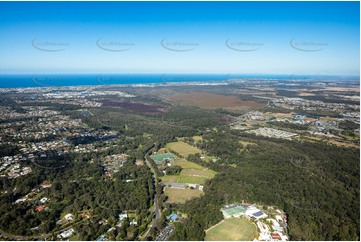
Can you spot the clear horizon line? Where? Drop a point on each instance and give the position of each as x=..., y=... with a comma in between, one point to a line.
x=171, y=73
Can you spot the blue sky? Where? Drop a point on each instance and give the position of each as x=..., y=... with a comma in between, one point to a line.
x=316, y=38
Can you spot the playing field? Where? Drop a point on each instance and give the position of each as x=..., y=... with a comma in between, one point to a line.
x=187, y=164
x=176, y=195
x=232, y=229
x=191, y=173
x=182, y=148
x=184, y=179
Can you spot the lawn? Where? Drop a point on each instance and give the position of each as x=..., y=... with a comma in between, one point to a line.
x=232, y=229
x=184, y=179
x=187, y=164
x=181, y=195
x=191, y=173
x=199, y=173
x=182, y=148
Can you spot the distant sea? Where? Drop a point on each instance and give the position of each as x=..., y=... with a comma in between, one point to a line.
x=51, y=80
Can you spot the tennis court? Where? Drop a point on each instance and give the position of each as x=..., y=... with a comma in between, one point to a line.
x=160, y=158
x=235, y=211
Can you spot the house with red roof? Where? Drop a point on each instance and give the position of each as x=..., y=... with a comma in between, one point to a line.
x=40, y=208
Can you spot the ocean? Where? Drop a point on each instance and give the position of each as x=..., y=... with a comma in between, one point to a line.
x=50, y=80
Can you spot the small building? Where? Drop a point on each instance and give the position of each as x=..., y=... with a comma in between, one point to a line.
x=122, y=216
x=135, y=223
x=255, y=213
x=173, y=217
x=111, y=229
x=279, y=218
x=69, y=217
x=20, y=200
x=66, y=234
x=44, y=200
x=276, y=236
x=101, y=238
x=259, y=215
x=40, y=208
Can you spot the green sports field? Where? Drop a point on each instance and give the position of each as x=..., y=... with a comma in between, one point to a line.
x=232, y=229
x=191, y=173
x=183, y=148
x=176, y=195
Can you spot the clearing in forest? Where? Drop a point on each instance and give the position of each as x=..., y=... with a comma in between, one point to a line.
x=176, y=195
x=232, y=229
x=183, y=148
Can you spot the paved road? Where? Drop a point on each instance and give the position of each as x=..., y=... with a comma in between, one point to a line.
x=155, y=176
x=156, y=205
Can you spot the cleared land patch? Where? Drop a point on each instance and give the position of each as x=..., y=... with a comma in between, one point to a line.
x=197, y=138
x=232, y=229
x=212, y=101
x=134, y=106
x=185, y=179
x=306, y=94
x=176, y=195
x=342, y=89
x=182, y=148
x=245, y=143
x=191, y=173
x=187, y=164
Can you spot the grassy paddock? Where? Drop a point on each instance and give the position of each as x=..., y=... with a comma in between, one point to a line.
x=182, y=148
x=232, y=229
x=191, y=173
x=184, y=179
x=181, y=195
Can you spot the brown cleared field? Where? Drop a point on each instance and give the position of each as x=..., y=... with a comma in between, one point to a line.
x=181, y=195
x=134, y=106
x=342, y=89
x=306, y=94
x=213, y=101
x=281, y=115
x=335, y=142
